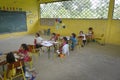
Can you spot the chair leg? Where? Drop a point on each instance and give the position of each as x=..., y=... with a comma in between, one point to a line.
x=78, y=47
x=37, y=54
x=5, y=77
x=31, y=64
x=62, y=57
x=23, y=74
x=55, y=55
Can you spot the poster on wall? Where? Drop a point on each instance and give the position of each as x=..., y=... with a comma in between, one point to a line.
x=59, y=24
x=47, y=21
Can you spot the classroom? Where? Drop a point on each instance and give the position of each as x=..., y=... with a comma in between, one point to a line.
x=78, y=39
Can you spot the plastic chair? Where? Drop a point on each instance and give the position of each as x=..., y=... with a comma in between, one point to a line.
x=30, y=61
x=15, y=70
x=1, y=78
x=79, y=43
x=100, y=39
x=34, y=50
x=57, y=37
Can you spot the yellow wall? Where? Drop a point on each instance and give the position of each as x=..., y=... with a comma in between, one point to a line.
x=114, y=33
x=77, y=25
x=111, y=31
x=31, y=8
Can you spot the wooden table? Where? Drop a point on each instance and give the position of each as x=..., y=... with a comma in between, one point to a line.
x=3, y=61
x=48, y=44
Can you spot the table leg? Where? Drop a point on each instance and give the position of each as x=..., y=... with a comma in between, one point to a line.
x=48, y=52
x=3, y=68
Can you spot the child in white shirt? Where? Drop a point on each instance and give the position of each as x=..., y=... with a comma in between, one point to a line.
x=38, y=40
x=64, y=48
x=83, y=36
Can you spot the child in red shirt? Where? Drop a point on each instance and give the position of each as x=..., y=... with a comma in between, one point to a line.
x=23, y=52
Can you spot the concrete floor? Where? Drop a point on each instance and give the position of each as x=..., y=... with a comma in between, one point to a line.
x=92, y=62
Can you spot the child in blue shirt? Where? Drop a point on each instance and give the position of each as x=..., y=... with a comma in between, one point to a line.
x=73, y=41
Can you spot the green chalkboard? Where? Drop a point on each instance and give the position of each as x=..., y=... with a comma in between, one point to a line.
x=12, y=21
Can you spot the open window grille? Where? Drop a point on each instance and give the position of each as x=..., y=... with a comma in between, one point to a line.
x=116, y=13
x=83, y=9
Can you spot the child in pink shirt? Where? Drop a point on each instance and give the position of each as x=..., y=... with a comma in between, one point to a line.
x=23, y=52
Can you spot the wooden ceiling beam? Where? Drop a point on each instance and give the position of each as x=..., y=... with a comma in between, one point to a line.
x=49, y=1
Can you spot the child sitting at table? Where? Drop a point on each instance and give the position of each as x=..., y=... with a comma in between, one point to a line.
x=23, y=52
x=10, y=58
x=38, y=40
x=54, y=37
x=64, y=47
x=90, y=34
x=82, y=36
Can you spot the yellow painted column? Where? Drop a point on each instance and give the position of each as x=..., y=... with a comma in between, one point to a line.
x=110, y=16
x=38, y=4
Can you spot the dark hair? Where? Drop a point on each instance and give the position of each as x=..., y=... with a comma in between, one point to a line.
x=10, y=58
x=65, y=39
x=53, y=34
x=60, y=22
x=25, y=47
x=74, y=35
x=90, y=28
x=81, y=31
x=38, y=34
